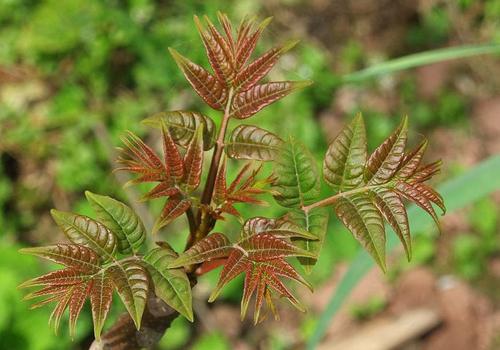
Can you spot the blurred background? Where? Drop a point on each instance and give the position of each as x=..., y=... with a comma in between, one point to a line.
x=74, y=75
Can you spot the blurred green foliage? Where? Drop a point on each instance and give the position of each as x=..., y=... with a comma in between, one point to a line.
x=471, y=251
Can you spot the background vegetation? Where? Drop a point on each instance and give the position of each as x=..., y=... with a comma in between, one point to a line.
x=74, y=75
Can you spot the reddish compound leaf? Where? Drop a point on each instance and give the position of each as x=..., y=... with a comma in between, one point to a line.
x=390, y=174
x=209, y=88
x=261, y=276
x=70, y=287
x=249, y=102
x=244, y=189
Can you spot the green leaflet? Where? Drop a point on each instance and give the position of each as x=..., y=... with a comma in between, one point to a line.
x=182, y=126
x=297, y=181
x=346, y=156
x=315, y=222
x=121, y=220
x=171, y=285
x=85, y=231
x=362, y=218
x=132, y=284
x=251, y=142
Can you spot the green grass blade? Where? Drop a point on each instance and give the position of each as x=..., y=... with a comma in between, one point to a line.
x=457, y=193
x=420, y=59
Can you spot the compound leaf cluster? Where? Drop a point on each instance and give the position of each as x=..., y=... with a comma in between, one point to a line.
x=110, y=253
x=371, y=189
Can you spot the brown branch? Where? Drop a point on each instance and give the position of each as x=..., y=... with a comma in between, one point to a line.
x=123, y=335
